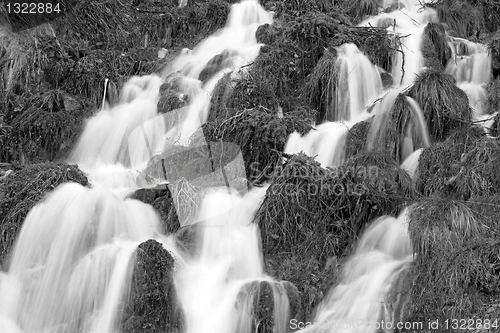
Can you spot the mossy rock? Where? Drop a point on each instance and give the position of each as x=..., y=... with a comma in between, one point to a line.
x=22, y=189
x=165, y=207
x=152, y=304
x=216, y=64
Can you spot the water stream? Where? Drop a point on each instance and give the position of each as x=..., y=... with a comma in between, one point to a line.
x=72, y=263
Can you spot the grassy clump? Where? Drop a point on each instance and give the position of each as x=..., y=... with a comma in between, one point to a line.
x=456, y=268
x=495, y=128
x=462, y=167
x=89, y=73
x=296, y=7
x=396, y=131
x=152, y=303
x=261, y=135
x=46, y=124
x=356, y=138
x=320, y=87
x=102, y=24
x=445, y=106
x=26, y=55
x=319, y=212
x=435, y=48
x=312, y=278
x=383, y=188
x=374, y=42
x=460, y=18
x=493, y=90
x=23, y=189
x=361, y=9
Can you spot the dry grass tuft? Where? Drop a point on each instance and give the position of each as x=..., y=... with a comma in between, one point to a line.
x=445, y=106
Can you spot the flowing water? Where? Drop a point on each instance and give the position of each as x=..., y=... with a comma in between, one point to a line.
x=72, y=263
x=471, y=67
x=354, y=305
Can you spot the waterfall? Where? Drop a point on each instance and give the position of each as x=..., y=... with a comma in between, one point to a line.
x=72, y=263
x=359, y=82
x=471, y=66
x=357, y=303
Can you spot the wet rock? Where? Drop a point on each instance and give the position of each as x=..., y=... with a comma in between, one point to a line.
x=216, y=64
x=152, y=304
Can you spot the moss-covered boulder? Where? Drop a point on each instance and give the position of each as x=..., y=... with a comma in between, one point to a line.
x=152, y=304
x=216, y=64
x=22, y=188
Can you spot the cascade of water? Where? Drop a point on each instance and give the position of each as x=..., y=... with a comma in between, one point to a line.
x=410, y=165
x=238, y=39
x=470, y=62
x=326, y=143
x=104, y=138
x=359, y=82
x=73, y=259
x=228, y=258
x=471, y=66
x=407, y=25
x=412, y=133
x=71, y=262
x=355, y=305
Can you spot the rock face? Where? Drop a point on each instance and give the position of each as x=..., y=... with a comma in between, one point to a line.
x=152, y=305
x=268, y=306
